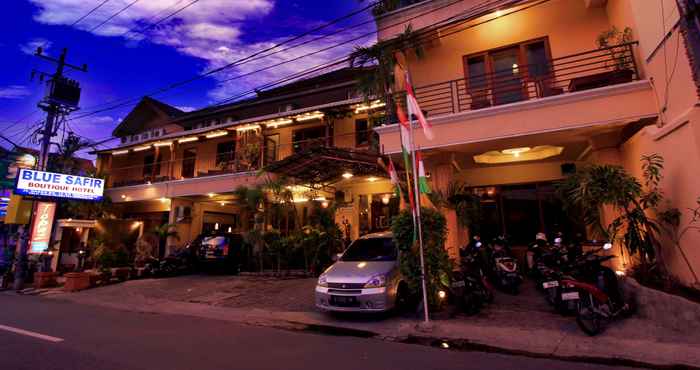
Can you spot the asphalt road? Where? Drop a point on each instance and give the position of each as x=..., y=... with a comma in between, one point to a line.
x=42, y=334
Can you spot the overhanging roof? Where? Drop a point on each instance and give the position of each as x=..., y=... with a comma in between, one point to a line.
x=326, y=165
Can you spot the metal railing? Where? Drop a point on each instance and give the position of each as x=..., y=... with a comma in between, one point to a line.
x=577, y=72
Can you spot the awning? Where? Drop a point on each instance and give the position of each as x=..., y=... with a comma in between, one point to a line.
x=326, y=165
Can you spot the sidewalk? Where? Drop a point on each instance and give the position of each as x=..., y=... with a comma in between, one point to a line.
x=520, y=324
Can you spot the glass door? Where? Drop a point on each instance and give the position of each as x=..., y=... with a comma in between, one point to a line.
x=189, y=158
x=507, y=81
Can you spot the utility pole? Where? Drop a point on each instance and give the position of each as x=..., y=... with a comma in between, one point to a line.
x=61, y=99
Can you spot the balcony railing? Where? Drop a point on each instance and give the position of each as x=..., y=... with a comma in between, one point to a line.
x=572, y=73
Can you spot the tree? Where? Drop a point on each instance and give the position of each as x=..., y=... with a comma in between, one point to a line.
x=162, y=233
x=460, y=197
x=595, y=186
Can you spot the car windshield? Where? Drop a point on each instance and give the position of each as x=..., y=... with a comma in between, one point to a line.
x=371, y=249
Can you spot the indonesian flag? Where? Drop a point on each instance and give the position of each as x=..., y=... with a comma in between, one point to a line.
x=394, y=178
x=422, y=179
x=414, y=108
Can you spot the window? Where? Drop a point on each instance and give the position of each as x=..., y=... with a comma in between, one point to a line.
x=311, y=137
x=225, y=152
x=151, y=167
x=500, y=76
x=189, y=158
x=362, y=132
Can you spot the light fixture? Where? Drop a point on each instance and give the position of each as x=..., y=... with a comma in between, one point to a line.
x=163, y=143
x=385, y=199
x=142, y=148
x=120, y=152
x=372, y=179
x=187, y=139
x=347, y=175
x=222, y=203
x=442, y=294
x=216, y=134
x=211, y=195
x=123, y=196
x=248, y=128
x=216, y=226
x=499, y=13
x=309, y=116
x=364, y=107
x=362, y=264
x=620, y=273
x=278, y=122
x=519, y=154
x=163, y=199
x=324, y=204
x=516, y=151
x=148, y=183
x=229, y=229
x=78, y=229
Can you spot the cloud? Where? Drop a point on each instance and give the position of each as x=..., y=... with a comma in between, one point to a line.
x=185, y=108
x=14, y=92
x=31, y=45
x=208, y=30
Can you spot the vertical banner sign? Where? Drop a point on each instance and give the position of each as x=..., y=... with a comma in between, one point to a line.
x=41, y=227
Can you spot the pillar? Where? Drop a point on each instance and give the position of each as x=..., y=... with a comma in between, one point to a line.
x=442, y=174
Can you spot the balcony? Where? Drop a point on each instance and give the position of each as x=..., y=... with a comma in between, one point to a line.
x=564, y=75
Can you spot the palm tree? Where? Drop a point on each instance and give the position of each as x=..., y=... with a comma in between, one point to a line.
x=163, y=233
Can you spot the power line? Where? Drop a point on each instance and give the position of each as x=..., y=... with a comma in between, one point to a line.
x=122, y=10
x=162, y=19
x=90, y=12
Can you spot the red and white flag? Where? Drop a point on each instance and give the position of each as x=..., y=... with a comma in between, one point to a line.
x=414, y=108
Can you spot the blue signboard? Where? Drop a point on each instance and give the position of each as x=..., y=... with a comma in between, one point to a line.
x=58, y=185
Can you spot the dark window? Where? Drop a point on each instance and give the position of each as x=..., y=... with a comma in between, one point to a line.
x=362, y=132
x=225, y=152
x=371, y=249
x=476, y=70
x=537, y=61
x=189, y=158
x=310, y=137
x=151, y=167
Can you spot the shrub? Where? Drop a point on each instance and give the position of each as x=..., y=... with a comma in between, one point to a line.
x=437, y=263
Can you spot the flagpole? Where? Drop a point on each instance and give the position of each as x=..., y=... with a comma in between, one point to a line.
x=416, y=194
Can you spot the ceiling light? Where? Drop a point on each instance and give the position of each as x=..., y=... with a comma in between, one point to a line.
x=118, y=152
x=347, y=175
x=519, y=154
x=499, y=13
x=123, y=196
x=248, y=127
x=309, y=116
x=324, y=204
x=211, y=195
x=372, y=179
x=217, y=134
x=385, y=199
x=163, y=200
x=163, y=143
x=188, y=139
x=222, y=203
x=142, y=148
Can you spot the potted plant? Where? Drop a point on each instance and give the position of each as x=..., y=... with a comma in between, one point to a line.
x=621, y=58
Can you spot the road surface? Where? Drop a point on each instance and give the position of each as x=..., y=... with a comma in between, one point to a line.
x=43, y=334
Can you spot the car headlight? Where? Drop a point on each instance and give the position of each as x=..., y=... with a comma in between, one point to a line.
x=376, y=281
x=322, y=281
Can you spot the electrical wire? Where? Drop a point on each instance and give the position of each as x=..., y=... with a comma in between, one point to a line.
x=90, y=12
x=122, y=10
x=152, y=25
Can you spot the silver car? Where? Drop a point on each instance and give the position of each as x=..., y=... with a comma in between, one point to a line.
x=366, y=278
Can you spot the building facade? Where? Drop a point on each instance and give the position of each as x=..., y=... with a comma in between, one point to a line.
x=180, y=168
x=520, y=93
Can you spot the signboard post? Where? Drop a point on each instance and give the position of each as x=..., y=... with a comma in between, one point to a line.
x=42, y=224
x=58, y=185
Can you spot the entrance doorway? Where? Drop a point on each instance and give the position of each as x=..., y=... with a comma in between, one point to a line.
x=521, y=211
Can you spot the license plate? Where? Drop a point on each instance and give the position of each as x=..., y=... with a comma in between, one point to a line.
x=458, y=284
x=550, y=284
x=340, y=300
x=569, y=296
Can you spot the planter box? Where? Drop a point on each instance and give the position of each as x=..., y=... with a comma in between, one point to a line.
x=76, y=281
x=44, y=279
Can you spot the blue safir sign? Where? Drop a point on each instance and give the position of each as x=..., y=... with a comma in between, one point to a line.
x=58, y=185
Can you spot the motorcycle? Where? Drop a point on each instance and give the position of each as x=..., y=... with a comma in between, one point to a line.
x=470, y=289
x=597, y=293
x=180, y=262
x=504, y=268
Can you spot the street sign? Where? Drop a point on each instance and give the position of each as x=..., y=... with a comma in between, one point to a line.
x=58, y=185
x=42, y=224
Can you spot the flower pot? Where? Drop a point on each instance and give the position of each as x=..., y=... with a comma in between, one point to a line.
x=44, y=279
x=76, y=281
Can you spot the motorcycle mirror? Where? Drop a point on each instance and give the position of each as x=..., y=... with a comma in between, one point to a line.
x=607, y=246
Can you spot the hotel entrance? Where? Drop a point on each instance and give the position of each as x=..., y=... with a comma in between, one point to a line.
x=521, y=211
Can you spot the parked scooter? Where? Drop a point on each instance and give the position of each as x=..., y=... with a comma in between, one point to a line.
x=180, y=262
x=503, y=267
x=470, y=289
x=599, y=296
